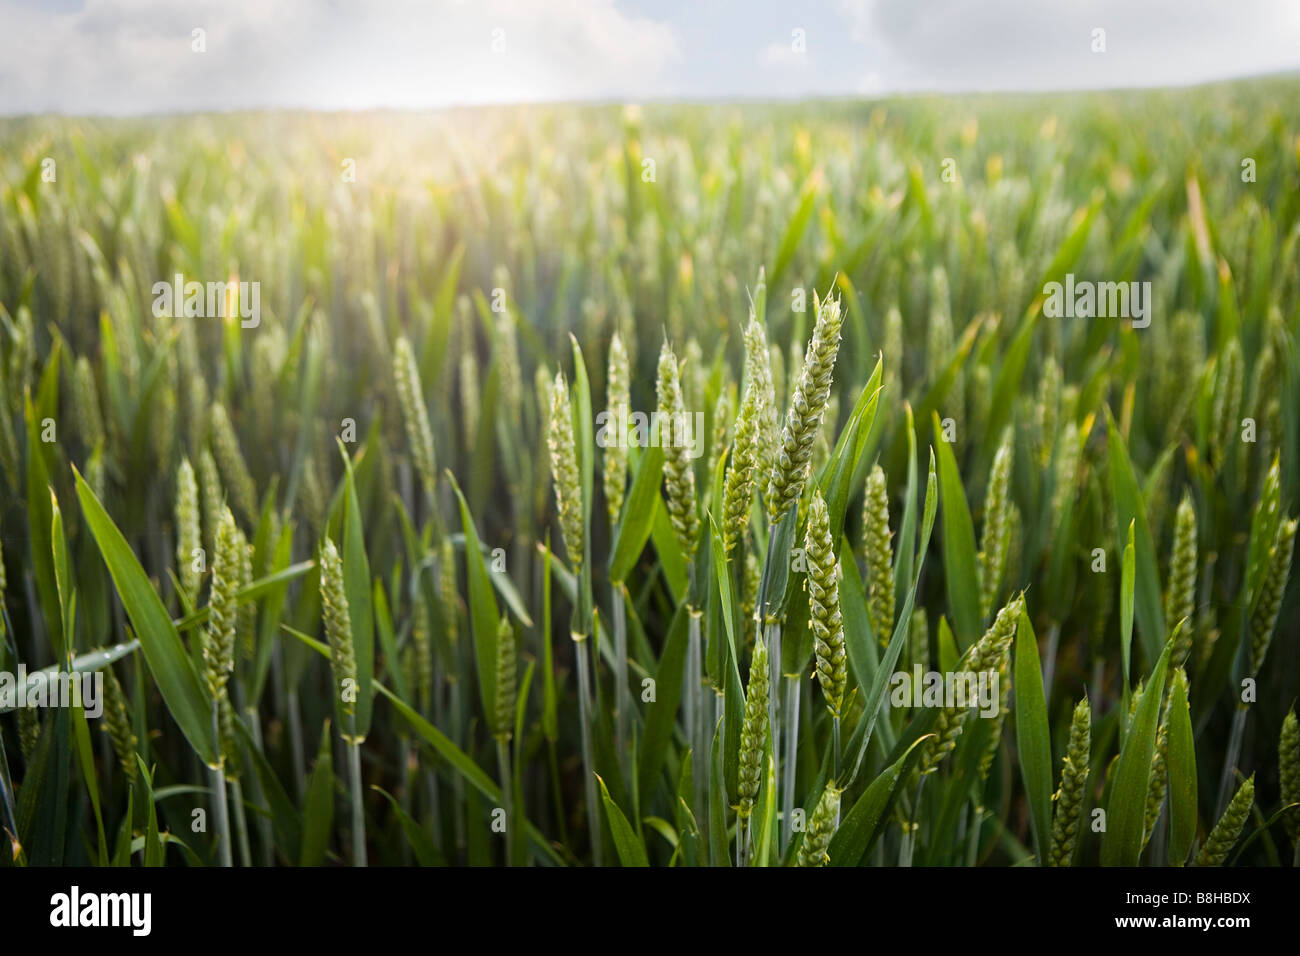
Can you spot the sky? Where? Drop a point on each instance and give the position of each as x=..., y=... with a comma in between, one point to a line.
x=141, y=56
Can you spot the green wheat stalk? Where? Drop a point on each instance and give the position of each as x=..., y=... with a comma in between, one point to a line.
x=1272, y=588
x=1225, y=832
x=188, y=536
x=564, y=469
x=415, y=415
x=993, y=552
x=679, y=475
x=1069, y=796
x=803, y=419
x=821, y=828
x=618, y=401
x=117, y=723
x=1180, y=601
x=985, y=655
x=230, y=463
x=878, y=551
x=343, y=661
x=824, y=606
x=753, y=745
x=1288, y=761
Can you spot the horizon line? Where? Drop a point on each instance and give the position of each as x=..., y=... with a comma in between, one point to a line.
x=702, y=101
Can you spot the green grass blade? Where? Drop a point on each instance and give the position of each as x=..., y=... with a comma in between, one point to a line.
x=356, y=585
x=86, y=757
x=1121, y=844
x=426, y=853
x=1129, y=508
x=483, y=612
x=388, y=640
x=719, y=852
x=550, y=728
x=638, y=515
x=168, y=662
x=463, y=765
x=42, y=807
x=725, y=593
x=1127, y=580
x=40, y=517
x=1181, y=761
x=318, y=805
x=960, y=564
x=662, y=715
x=794, y=231
x=631, y=852
x=285, y=821
x=122, y=848
x=511, y=598
x=842, y=468
x=894, y=650
x=1033, y=737
x=154, y=850
x=670, y=554
x=862, y=824
x=905, y=542
x=1073, y=245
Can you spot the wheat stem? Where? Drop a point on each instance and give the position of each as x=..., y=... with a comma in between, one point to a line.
x=978, y=815
x=692, y=705
x=753, y=743
x=263, y=822
x=622, y=696
x=219, y=793
x=588, y=760
x=358, y=814
x=907, y=845
x=241, y=823
x=835, y=747
x=790, y=715
x=507, y=793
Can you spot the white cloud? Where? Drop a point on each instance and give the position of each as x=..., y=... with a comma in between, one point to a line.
x=1029, y=44
x=133, y=56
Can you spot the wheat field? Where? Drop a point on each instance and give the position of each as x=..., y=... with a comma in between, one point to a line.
x=671, y=485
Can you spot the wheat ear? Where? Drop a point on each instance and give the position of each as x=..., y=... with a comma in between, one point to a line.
x=1069, y=796
x=804, y=418
x=1224, y=835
